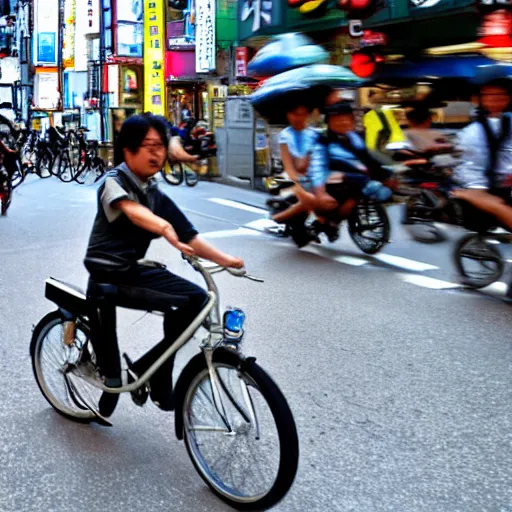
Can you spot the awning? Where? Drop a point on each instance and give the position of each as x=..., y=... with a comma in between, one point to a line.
x=458, y=67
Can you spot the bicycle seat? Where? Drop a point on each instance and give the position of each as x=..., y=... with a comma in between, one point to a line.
x=134, y=297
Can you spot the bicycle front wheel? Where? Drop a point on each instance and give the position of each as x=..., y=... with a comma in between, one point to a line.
x=243, y=441
x=478, y=263
x=368, y=226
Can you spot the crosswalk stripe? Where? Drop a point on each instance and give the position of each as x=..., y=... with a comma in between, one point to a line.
x=236, y=204
x=428, y=282
x=405, y=263
x=230, y=233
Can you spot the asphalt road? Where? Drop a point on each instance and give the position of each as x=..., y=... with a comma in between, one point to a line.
x=400, y=382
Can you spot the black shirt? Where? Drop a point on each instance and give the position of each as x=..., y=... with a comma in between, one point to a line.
x=116, y=244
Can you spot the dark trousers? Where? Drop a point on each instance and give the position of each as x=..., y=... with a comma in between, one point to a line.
x=143, y=288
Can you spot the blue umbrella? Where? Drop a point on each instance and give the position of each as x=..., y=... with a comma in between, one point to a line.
x=289, y=51
x=309, y=85
x=463, y=68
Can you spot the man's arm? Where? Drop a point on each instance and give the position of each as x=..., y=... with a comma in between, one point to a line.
x=207, y=251
x=144, y=218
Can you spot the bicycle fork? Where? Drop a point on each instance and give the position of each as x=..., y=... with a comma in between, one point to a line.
x=217, y=384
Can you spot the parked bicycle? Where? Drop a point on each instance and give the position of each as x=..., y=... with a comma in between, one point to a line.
x=236, y=424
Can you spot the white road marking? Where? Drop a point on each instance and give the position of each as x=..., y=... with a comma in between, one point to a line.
x=347, y=260
x=351, y=260
x=231, y=232
x=236, y=204
x=261, y=224
x=405, y=263
x=428, y=282
x=498, y=287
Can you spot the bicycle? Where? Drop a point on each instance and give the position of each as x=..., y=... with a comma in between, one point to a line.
x=174, y=173
x=219, y=393
x=92, y=166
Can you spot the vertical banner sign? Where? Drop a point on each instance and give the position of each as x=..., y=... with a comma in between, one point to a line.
x=68, y=51
x=205, y=36
x=241, y=59
x=154, y=81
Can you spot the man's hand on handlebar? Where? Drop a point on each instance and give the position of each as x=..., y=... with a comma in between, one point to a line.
x=232, y=262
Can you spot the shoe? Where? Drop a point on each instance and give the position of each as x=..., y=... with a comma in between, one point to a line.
x=108, y=401
x=140, y=395
x=163, y=402
x=330, y=230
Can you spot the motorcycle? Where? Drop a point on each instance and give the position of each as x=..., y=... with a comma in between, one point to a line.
x=426, y=181
x=368, y=224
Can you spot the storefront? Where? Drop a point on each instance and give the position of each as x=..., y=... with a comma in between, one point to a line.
x=187, y=94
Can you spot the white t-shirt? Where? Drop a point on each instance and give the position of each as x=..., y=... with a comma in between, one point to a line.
x=300, y=143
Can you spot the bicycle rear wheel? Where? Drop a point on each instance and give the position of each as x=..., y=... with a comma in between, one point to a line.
x=58, y=365
x=66, y=172
x=478, y=263
x=247, y=450
x=44, y=165
x=368, y=226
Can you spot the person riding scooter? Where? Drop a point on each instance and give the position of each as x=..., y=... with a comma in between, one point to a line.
x=343, y=171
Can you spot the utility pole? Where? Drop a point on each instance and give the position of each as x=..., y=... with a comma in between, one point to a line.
x=101, y=81
x=60, y=63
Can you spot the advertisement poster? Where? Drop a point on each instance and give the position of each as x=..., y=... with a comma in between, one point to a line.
x=130, y=10
x=46, y=24
x=46, y=48
x=154, y=44
x=205, y=36
x=130, y=27
x=47, y=90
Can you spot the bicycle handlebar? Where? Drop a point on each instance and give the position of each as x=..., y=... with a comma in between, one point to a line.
x=196, y=264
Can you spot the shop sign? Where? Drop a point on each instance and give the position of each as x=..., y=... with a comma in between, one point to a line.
x=259, y=10
x=154, y=34
x=241, y=60
x=46, y=28
x=47, y=85
x=493, y=5
x=205, y=36
x=130, y=30
x=68, y=50
x=424, y=3
x=371, y=38
x=92, y=16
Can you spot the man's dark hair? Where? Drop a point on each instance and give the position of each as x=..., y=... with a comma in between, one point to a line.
x=134, y=131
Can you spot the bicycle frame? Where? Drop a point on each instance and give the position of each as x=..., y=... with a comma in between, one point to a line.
x=210, y=317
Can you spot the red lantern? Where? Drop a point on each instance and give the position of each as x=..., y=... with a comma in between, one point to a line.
x=358, y=8
x=363, y=64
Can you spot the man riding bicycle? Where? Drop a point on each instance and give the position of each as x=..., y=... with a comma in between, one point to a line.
x=342, y=170
x=132, y=211
x=485, y=171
